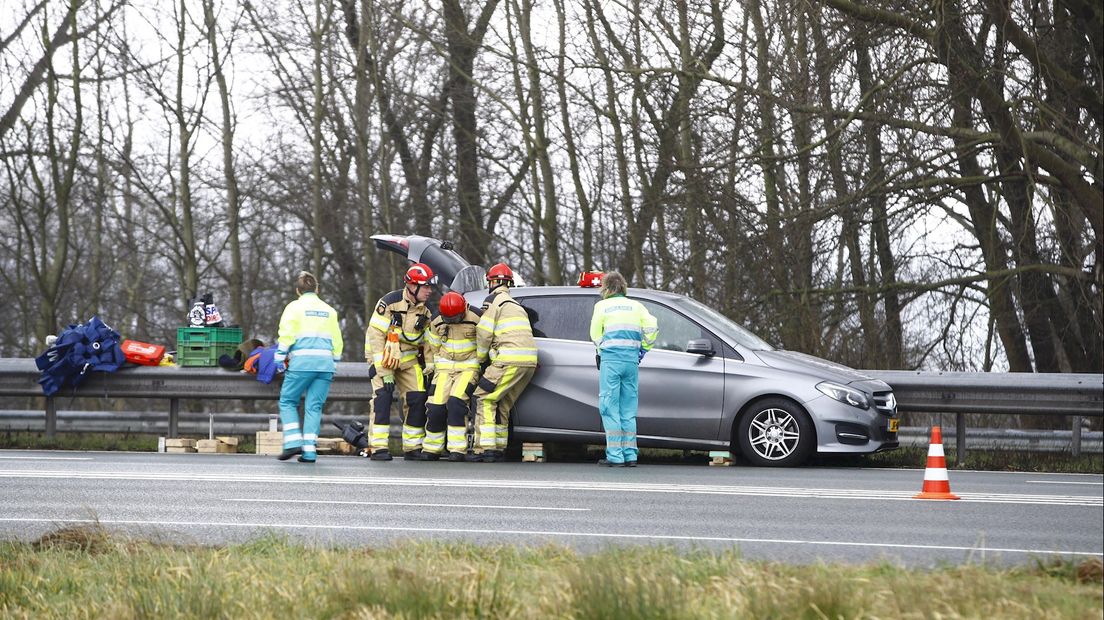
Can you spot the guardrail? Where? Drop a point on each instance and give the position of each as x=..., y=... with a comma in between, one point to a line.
x=959, y=393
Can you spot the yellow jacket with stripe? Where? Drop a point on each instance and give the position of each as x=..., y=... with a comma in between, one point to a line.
x=453, y=344
x=504, y=333
x=309, y=337
x=410, y=321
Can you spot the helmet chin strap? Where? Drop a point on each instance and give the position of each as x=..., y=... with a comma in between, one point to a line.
x=500, y=283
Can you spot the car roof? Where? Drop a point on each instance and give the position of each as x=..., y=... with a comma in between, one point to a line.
x=534, y=291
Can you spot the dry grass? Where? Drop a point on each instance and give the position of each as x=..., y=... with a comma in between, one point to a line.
x=85, y=573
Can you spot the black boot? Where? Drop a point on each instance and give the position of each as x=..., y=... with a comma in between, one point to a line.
x=413, y=455
x=456, y=457
x=427, y=456
x=288, y=453
x=381, y=455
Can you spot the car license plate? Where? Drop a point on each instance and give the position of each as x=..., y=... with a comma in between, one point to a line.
x=893, y=424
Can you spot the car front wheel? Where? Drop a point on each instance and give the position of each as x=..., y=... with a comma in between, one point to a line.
x=775, y=432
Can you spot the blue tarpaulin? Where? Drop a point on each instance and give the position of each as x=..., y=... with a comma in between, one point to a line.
x=79, y=349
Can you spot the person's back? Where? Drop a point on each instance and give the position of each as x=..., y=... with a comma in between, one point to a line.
x=310, y=340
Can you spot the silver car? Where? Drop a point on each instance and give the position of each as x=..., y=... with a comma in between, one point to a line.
x=708, y=384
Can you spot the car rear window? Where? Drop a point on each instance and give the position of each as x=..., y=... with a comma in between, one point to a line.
x=566, y=317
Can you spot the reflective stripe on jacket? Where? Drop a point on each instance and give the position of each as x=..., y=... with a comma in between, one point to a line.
x=310, y=338
x=621, y=327
x=504, y=333
x=454, y=346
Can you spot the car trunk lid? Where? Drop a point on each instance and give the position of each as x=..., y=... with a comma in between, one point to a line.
x=453, y=271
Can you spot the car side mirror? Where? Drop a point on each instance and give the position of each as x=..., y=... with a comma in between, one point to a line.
x=701, y=346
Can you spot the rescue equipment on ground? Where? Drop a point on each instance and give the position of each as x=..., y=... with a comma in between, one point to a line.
x=80, y=348
x=143, y=353
x=353, y=434
x=590, y=279
x=203, y=346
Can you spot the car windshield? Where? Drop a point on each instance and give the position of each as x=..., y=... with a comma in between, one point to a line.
x=731, y=328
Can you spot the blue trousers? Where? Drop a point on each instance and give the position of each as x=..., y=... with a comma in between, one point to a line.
x=618, y=394
x=317, y=386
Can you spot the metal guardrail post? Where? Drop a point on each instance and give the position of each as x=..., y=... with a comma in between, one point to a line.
x=51, y=417
x=174, y=416
x=1075, y=442
x=960, y=439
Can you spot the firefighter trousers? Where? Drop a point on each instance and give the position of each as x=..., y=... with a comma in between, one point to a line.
x=495, y=394
x=448, y=411
x=409, y=389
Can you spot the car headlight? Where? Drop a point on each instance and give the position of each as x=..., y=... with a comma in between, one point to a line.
x=844, y=394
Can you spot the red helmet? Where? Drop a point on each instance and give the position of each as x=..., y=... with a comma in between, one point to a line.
x=419, y=273
x=500, y=272
x=453, y=304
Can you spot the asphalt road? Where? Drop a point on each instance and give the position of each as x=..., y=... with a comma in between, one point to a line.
x=794, y=515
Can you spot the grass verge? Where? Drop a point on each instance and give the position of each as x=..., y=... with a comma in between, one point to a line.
x=86, y=573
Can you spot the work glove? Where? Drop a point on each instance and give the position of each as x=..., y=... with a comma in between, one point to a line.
x=641, y=358
x=280, y=368
x=429, y=369
x=389, y=383
x=598, y=361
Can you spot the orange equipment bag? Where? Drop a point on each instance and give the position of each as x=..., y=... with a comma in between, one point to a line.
x=143, y=353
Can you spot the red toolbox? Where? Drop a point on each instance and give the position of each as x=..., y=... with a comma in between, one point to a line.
x=143, y=353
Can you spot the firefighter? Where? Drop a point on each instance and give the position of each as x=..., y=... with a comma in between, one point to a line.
x=504, y=338
x=310, y=340
x=456, y=369
x=394, y=341
x=623, y=331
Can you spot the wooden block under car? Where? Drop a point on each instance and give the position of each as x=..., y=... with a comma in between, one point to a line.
x=532, y=452
x=720, y=458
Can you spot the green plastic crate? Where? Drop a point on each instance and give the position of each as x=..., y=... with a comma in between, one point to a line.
x=202, y=346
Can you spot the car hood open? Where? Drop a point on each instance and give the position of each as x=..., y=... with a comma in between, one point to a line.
x=810, y=365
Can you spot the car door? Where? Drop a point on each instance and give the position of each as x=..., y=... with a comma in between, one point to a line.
x=563, y=394
x=681, y=394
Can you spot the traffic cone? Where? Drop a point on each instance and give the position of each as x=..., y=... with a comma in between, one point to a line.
x=936, y=484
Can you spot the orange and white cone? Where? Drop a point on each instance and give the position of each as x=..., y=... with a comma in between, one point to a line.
x=936, y=484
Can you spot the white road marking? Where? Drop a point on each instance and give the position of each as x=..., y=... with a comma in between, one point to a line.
x=350, y=503
x=47, y=458
x=551, y=485
x=1097, y=484
x=554, y=534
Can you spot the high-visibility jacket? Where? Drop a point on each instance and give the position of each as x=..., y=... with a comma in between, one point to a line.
x=504, y=333
x=399, y=312
x=310, y=338
x=453, y=344
x=621, y=327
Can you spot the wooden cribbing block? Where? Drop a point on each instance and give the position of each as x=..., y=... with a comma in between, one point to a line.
x=270, y=442
x=178, y=442
x=214, y=446
x=720, y=458
x=532, y=452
